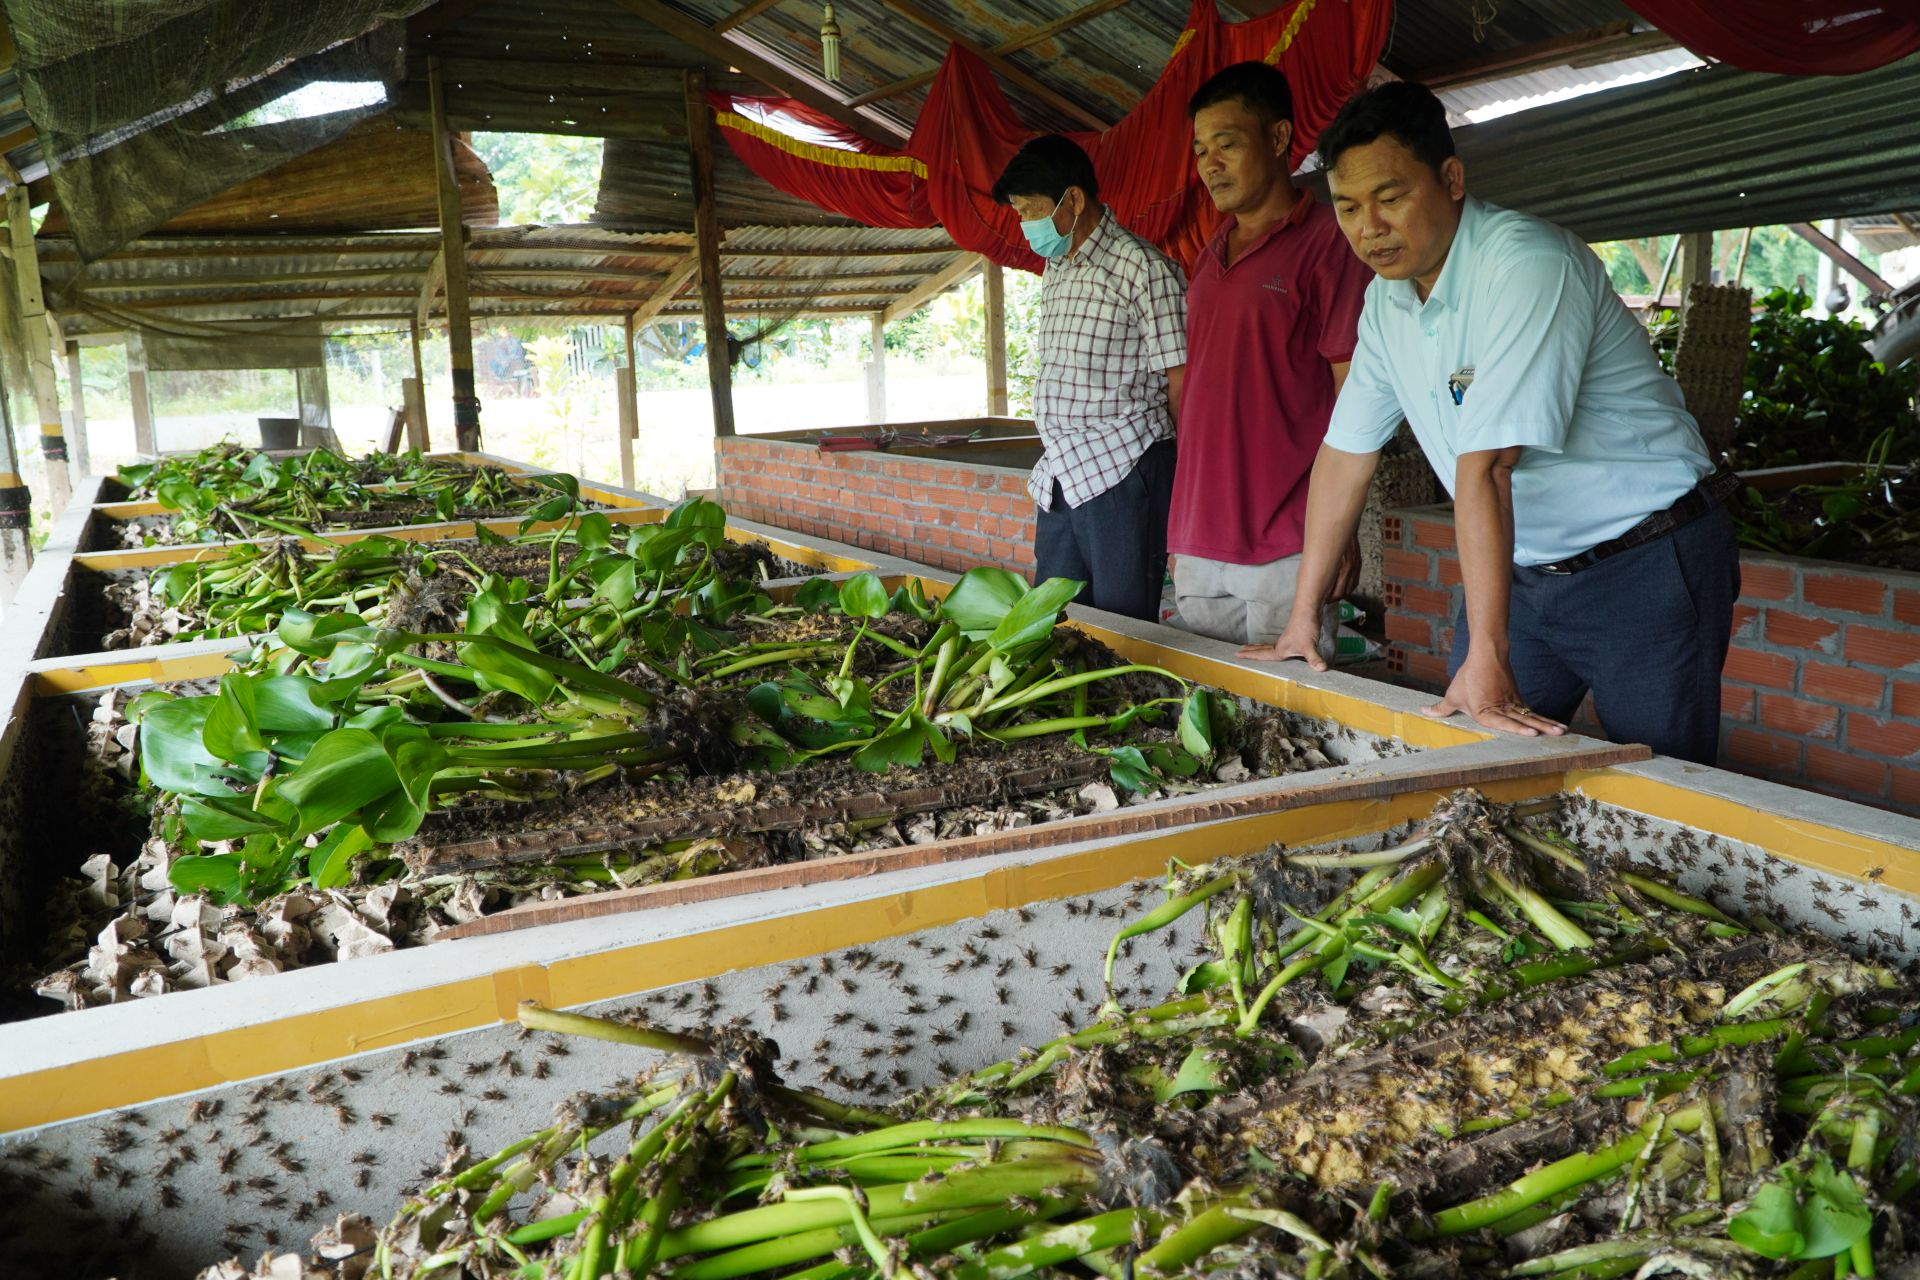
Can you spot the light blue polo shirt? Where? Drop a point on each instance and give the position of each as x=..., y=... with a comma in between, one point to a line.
x=1524, y=342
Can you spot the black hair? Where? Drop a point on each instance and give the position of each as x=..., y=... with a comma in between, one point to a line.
x=1261, y=88
x=1047, y=166
x=1408, y=113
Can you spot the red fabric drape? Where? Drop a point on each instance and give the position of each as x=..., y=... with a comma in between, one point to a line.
x=1791, y=37
x=967, y=131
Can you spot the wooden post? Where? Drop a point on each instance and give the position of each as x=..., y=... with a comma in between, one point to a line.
x=877, y=371
x=16, y=512
x=706, y=228
x=315, y=407
x=76, y=422
x=996, y=324
x=1695, y=265
x=453, y=248
x=417, y=434
x=627, y=389
x=142, y=398
x=33, y=320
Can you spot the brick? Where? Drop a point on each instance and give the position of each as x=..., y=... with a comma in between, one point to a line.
x=1848, y=686
x=1800, y=632
x=1845, y=592
x=1428, y=601
x=1906, y=786
x=1446, y=570
x=1898, y=739
x=1428, y=668
x=1408, y=566
x=1906, y=607
x=1391, y=592
x=1906, y=699
x=1851, y=772
x=1432, y=533
x=1758, y=750
x=1746, y=622
x=1409, y=629
x=1390, y=530
x=1736, y=702
x=1879, y=647
x=1797, y=715
x=1752, y=666
x=1765, y=581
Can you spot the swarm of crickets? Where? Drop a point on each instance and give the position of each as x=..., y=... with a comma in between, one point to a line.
x=1490, y=1052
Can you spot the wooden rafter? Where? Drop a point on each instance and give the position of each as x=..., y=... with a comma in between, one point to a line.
x=1841, y=258
x=784, y=80
x=670, y=246
x=934, y=286
x=435, y=278
x=1009, y=70
x=1607, y=43
x=745, y=13
x=1024, y=40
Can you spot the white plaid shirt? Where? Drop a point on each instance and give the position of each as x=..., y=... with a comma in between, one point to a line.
x=1113, y=320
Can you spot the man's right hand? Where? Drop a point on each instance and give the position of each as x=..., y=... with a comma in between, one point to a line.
x=1300, y=640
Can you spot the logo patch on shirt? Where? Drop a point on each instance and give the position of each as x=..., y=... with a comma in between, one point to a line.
x=1458, y=383
x=1278, y=284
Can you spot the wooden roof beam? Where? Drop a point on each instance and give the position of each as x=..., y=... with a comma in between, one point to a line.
x=933, y=287
x=1608, y=43
x=1024, y=40
x=436, y=278
x=1008, y=70
x=1841, y=258
x=745, y=13
x=669, y=289
x=782, y=79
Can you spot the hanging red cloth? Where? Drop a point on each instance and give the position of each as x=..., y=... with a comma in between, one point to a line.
x=967, y=131
x=1791, y=37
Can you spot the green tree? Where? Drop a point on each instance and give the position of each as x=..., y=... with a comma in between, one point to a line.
x=541, y=177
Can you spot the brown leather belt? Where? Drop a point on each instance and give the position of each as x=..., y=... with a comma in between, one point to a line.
x=1690, y=506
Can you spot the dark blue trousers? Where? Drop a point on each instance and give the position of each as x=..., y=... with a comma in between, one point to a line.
x=1646, y=630
x=1115, y=542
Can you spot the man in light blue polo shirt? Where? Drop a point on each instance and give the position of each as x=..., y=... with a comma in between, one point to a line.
x=1595, y=552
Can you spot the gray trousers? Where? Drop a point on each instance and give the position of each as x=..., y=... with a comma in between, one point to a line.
x=1243, y=603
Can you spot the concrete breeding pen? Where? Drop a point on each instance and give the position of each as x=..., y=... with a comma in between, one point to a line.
x=359, y=1073
x=411, y=1055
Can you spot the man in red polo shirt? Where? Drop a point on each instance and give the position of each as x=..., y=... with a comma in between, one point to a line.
x=1272, y=309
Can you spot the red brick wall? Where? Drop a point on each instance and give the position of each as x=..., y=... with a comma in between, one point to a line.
x=1821, y=687
x=949, y=515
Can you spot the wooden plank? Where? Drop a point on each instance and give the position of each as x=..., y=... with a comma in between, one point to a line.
x=435, y=280
x=453, y=256
x=76, y=413
x=1023, y=40
x=745, y=13
x=669, y=290
x=996, y=326
x=1008, y=69
x=934, y=286
x=706, y=227
x=1841, y=258
x=628, y=407
x=877, y=370
x=784, y=79
x=1272, y=795
x=141, y=396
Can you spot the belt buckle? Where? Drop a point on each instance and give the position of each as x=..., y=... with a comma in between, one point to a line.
x=1557, y=568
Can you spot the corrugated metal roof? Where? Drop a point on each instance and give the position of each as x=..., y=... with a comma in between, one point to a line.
x=1493, y=98
x=1443, y=33
x=1707, y=149
x=167, y=282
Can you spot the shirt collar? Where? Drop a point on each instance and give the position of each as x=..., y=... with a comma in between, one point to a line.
x=1217, y=246
x=1453, y=274
x=1094, y=239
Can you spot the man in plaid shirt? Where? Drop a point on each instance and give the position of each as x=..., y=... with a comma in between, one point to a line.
x=1112, y=348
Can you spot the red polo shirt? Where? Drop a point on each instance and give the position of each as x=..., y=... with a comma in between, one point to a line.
x=1261, y=334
